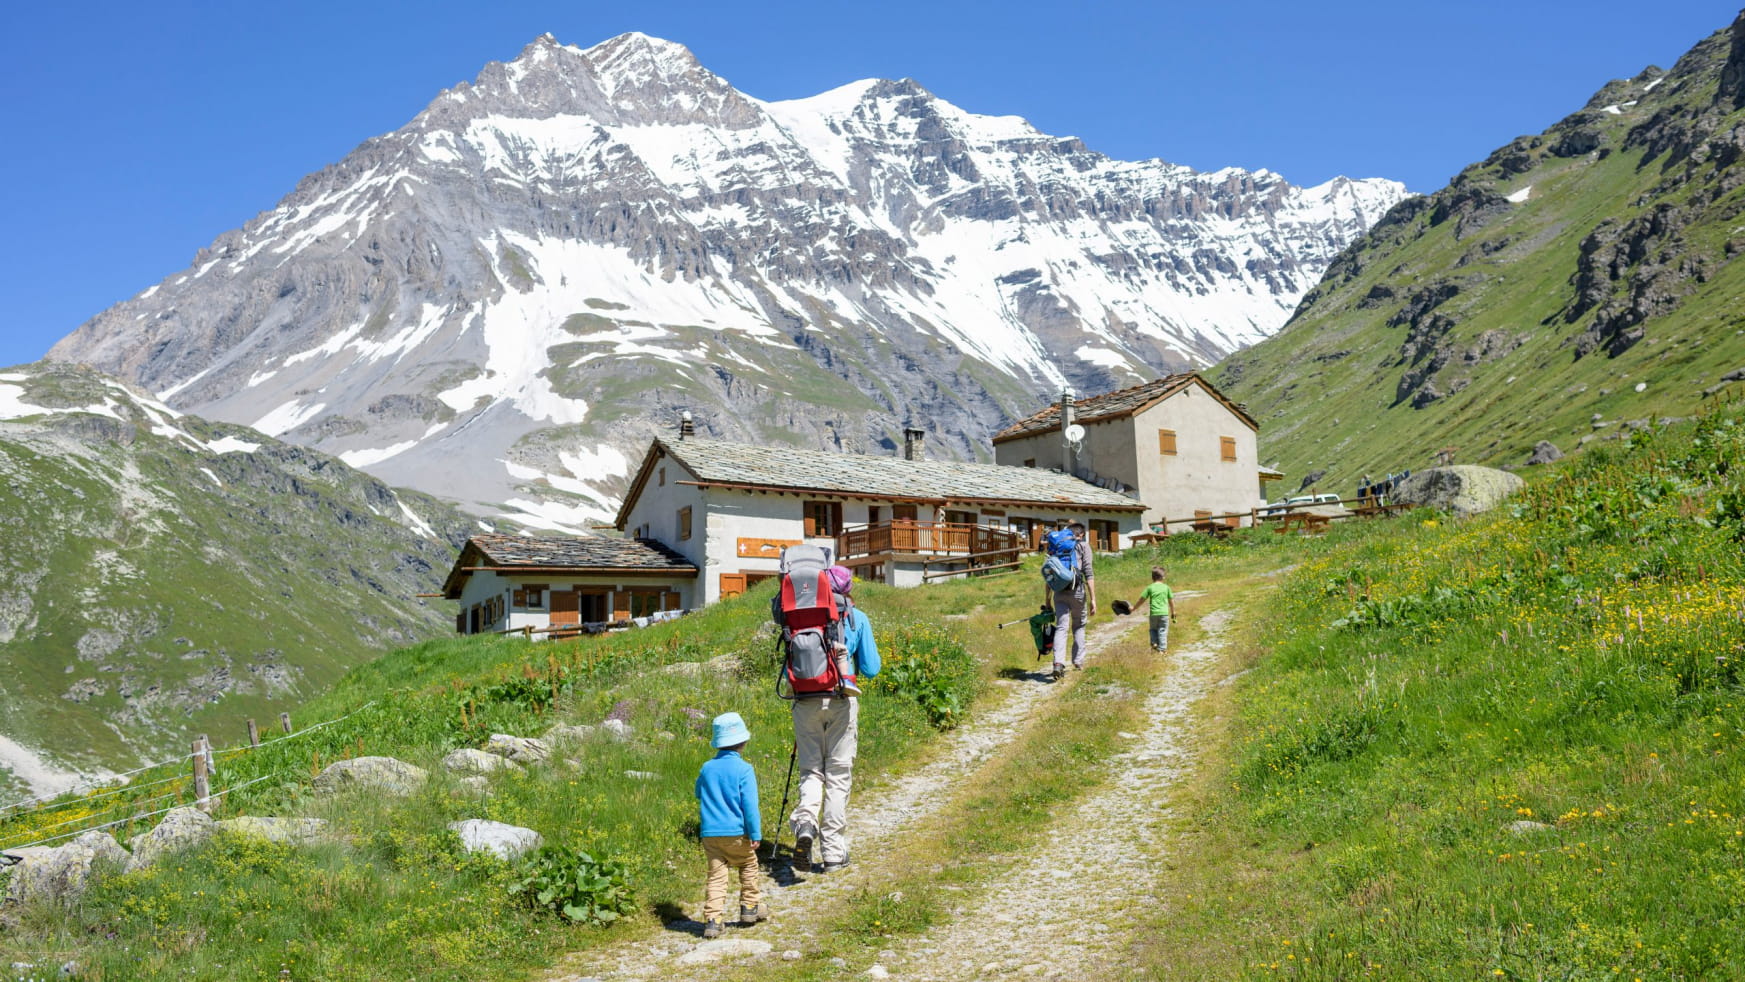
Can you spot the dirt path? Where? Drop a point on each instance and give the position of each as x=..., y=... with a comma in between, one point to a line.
x=1015, y=924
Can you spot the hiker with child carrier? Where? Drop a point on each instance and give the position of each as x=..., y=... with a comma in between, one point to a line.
x=827, y=646
x=1070, y=588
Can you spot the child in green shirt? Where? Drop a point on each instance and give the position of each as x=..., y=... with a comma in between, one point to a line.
x=1162, y=606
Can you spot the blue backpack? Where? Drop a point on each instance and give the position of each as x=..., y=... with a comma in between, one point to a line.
x=1060, y=570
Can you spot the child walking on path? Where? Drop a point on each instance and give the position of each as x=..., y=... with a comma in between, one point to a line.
x=730, y=825
x=1162, y=607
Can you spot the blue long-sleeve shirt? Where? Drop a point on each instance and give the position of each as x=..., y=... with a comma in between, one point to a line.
x=858, y=635
x=727, y=797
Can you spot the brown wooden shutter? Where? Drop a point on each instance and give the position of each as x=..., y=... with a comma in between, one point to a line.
x=669, y=600
x=620, y=605
x=566, y=607
x=460, y=623
x=811, y=525
x=1166, y=442
x=1227, y=447
x=685, y=522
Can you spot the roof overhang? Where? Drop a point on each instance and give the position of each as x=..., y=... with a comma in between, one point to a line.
x=908, y=499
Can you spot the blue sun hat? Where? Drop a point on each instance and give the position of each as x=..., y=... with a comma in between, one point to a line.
x=730, y=731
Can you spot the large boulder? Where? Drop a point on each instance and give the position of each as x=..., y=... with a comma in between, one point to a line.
x=370, y=774
x=507, y=841
x=466, y=760
x=1544, y=452
x=567, y=733
x=61, y=873
x=521, y=750
x=1464, y=489
x=181, y=828
x=290, y=831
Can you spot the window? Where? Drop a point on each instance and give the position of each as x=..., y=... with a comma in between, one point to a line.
x=643, y=602
x=872, y=514
x=1166, y=442
x=823, y=517
x=1227, y=447
x=1030, y=462
x=531, y=596
x=1104, y=534
x=685, y=522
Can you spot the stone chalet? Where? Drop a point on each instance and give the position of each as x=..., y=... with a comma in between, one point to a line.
x=729, y=508
x=1190, y=453
x=519, y=582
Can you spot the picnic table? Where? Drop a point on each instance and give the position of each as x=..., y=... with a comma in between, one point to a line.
x=1379, y=510
x=1216, y=529
x=1309, y=522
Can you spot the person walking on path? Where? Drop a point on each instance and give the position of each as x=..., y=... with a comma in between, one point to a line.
x=730, y=825
x=1162, y=608
x=1078, y=602
x=826, y=735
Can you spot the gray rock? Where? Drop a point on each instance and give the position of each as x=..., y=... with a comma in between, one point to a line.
x=181, y=828
x=839, y=963
x=466, y=760
x=1544, y=452
x=383, y=774
x=1464, y=489
x=878, y=972
x=291, y=831
x=522, y=750
x=564, y=733
x=717, y=949
x=790, y=955
x=617, y=729
x=506, y=841
x=1527, y=827
x=642, y=775
x=60, y=874
x=476, y=784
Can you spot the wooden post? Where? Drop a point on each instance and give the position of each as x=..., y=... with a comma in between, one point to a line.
x=285, y=722
x=202, y=787
x=254, y=734
x=206, y=743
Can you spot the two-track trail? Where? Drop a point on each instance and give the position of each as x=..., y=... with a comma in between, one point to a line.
x=1036, y=917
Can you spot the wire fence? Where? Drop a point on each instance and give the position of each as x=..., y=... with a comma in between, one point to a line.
x=62, y=799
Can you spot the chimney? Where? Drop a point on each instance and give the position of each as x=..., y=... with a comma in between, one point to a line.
x=686, y=427
x=914, y=447
x=1068, y=453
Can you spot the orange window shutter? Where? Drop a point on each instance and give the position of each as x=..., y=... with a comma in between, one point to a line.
x=1227, y=444
x=669, y=600
x=520, y=598
x=620, y=605
x=1166, y=442
x=811, y=525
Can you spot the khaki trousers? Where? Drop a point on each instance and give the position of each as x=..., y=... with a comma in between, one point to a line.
x=826, y=735
x=727, y=852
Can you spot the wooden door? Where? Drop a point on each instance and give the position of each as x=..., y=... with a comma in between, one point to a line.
x=732, y=585
x=565, y=607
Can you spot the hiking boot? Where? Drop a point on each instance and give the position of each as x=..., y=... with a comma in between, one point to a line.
x=833, y=867
x=1058, y=673
x=803, y=851
x=751, y=915
x=712, y=929
x=849, y=689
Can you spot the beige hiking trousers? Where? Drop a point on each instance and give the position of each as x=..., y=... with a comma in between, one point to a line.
x=826, y=735
x=729, y=852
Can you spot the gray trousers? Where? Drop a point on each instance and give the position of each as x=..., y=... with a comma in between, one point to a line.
x=1069, y=608
x=826, y=736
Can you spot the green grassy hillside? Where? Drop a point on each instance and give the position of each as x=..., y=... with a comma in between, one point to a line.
x=1583, y=273
x=161, y=576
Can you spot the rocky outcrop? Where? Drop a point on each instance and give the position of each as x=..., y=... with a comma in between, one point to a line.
x=1464, y=489
x=520, y=750
x=466, y=760
x=1544, y=452
x=384, y=775
x=287, y=831
x=180, y=829
x=60, y=874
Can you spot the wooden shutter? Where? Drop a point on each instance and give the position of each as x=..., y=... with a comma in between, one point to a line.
x=685, y=522
x=732, y=584
x=669, y=600
x=811, y=524
x=566, y=607
x=460, y=623
x=1166, y=442
x=620, y=605
x=1227, y=447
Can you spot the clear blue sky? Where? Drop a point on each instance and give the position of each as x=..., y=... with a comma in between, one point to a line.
x=137, y=132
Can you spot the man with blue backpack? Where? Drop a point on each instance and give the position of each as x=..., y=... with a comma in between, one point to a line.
x=1070, y=586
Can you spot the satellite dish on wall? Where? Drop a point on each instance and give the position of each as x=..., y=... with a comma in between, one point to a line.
x=1075, y=434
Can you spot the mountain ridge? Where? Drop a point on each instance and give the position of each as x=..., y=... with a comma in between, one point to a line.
x=548, y=263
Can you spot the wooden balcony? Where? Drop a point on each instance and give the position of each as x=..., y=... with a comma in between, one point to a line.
x=969, y=547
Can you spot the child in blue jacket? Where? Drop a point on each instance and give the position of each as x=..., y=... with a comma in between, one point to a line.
x=730, y=826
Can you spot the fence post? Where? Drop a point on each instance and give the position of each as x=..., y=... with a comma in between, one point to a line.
x=254, y=734
x=285, y=722
x=206, y=743
x=202, y=786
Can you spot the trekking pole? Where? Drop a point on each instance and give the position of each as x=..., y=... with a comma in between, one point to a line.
x=1019, y=620
x=776, y=843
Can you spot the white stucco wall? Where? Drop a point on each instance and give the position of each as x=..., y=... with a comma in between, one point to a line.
x=484, y=585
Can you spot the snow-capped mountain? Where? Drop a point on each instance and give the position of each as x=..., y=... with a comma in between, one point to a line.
x=501, y=301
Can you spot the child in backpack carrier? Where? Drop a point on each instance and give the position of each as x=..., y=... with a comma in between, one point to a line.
x=842, y=583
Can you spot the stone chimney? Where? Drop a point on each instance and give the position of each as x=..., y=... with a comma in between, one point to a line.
x=686, y=427
x=914, y=446
x=1069, y=453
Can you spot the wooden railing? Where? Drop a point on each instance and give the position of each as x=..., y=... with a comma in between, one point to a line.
x=930, y=539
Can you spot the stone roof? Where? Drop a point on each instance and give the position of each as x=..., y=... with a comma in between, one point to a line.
x=559, y=553
x=716, y=462
x=1112, y=405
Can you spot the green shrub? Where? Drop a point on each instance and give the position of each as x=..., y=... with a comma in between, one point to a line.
x=575, y=886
